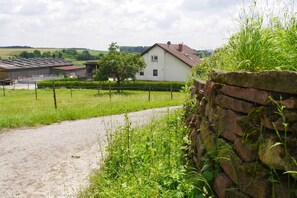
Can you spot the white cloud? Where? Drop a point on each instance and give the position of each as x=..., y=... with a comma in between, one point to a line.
x=96, y=23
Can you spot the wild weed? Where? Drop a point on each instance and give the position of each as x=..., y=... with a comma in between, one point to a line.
x=149, y=162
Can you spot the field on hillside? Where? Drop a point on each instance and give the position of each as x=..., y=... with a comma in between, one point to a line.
x=11, y=52
x=19, y=108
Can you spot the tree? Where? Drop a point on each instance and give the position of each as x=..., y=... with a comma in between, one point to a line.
x=119, y=65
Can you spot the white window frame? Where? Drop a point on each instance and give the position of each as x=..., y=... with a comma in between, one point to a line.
x=154, y=58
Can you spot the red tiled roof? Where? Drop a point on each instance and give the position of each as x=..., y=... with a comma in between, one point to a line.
x=69, y=68
x=186, y=55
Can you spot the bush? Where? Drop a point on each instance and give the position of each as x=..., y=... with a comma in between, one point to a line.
x=104, y=85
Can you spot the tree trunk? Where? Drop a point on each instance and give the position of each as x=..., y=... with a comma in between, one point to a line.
x=118, y=85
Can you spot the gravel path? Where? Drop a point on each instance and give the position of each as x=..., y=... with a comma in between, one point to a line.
x=56, y=160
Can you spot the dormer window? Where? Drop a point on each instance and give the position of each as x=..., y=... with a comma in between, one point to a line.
x=154, y=58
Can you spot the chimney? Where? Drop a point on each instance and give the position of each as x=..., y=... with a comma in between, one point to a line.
x=180, y=47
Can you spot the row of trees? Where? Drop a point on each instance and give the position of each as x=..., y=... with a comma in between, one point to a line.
x=64, y=53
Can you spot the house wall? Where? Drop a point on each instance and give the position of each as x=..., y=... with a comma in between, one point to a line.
x=169, y=67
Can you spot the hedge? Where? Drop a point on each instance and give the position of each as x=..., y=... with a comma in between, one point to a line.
x=104, y=85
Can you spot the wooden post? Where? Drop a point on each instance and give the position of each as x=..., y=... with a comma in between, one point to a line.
x=13, y=85
x=35, y=90
x=3, y=88
x=149, y=94
x=98, y=89
x=28, y=85
x=71, y=90
x=54, y=92
x=109, y=90
x=171, y=95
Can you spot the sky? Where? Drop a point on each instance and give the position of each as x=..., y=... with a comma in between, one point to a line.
x=94, y=24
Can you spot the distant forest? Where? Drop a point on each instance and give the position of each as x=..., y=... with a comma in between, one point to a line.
x=64, y=53
x=140, y=49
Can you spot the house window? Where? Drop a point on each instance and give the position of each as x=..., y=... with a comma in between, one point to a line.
x=154, y=58
x=155, y=72
x=141, y=73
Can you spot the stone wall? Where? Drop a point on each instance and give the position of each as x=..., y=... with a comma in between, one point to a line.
x=244, y=125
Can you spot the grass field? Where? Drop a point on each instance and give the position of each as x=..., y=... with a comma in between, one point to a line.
x=19, y=107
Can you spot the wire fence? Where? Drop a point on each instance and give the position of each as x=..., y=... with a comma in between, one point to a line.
x=98, y=91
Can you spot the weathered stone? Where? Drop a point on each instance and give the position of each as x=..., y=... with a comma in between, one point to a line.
x=227, y=124
x=274, y=156
x=199, y=84
x=229, y=162
x=271, y=120
x=290, y=103
x=282, y=190
x=221, y=184
x=202, y=107
x=233, y=104
x=245, y=150
x=233, y=193
x=208, y=137
x=271, y=155
x=200, y=152
x=277, y=81
x=211, y=112
x=249, y=94
x=193, y=121
x=254, y=180
x=211, y=90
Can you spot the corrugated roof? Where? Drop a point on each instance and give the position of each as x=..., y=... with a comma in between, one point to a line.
x=24, y=63
x=69, y=68
x=186, y=55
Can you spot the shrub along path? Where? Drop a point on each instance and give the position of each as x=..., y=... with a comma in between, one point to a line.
x=56, y=160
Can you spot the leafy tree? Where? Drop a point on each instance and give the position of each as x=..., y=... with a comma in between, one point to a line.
x=119, y=65
x=37, y=54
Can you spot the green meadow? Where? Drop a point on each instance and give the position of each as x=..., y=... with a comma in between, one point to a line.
x=19, y=108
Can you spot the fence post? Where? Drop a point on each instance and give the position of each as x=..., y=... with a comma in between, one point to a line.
x=109, y=90
x=28, y=85
x=171, y=95
x=13, y=85
x=98, y=89
x=35, y=90
x=149, y=94
x=71, y=90
x=3, y=88
x=54, y=92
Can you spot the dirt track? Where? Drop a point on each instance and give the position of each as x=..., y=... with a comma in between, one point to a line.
x=56, y=160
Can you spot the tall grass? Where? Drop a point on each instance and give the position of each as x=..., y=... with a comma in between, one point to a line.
x=266, y=40
x=148, y=162
x=19, y=107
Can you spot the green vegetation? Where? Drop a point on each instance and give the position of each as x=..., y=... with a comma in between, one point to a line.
x=127, y=85
x=119, y=65
x=263, y=42
x=19, y=107
x=148, y=162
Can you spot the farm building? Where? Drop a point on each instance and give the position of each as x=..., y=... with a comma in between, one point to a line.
x=14, y=69
x=168, y=62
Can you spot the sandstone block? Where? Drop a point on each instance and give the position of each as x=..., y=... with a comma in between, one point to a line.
x=221, y=184
x=276, y=81
x=211, y=90
x=228, y=124
x=254, y=180
x=199, y=84
x=233, y=104
x=229, y=162
x=245, y=150
x=290, y=103
x=233, y=193
x=271, y=118
x=249, y=94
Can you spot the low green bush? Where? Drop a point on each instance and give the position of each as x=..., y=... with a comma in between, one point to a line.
x=104, y=85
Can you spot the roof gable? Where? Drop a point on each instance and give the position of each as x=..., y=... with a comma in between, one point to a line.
x=186, y=55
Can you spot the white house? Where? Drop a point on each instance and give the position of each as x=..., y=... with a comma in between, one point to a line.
x=168, y=62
